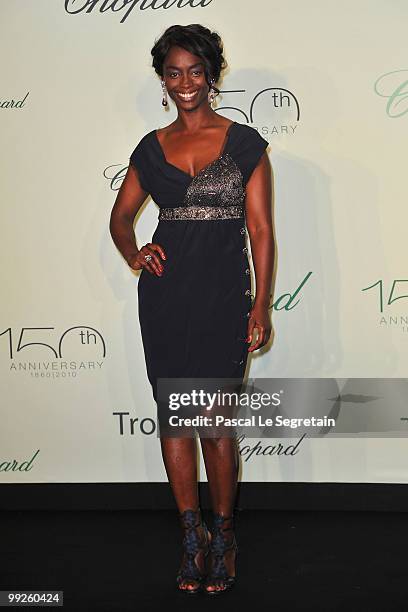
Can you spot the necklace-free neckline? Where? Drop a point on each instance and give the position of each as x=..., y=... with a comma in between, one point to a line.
x=224, y=146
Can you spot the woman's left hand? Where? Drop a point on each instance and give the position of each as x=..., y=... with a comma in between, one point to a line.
x=259, y=319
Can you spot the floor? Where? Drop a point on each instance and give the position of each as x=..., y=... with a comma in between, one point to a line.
x=122, y=561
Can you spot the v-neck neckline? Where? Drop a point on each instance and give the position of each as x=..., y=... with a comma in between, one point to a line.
x=224, y=146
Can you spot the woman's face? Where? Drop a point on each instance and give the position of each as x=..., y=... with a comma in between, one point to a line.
x=183, y=74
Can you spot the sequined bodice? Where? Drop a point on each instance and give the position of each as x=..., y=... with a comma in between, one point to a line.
x=219, y=184
x=216, y=192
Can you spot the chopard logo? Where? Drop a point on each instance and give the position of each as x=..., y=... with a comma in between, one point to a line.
x=13, y=103
x=73, y=7
x=247, y=451
x=14, y=465
x=394, y=87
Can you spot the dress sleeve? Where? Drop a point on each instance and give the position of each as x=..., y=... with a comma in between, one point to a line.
x=249, y=151
x=138, y=161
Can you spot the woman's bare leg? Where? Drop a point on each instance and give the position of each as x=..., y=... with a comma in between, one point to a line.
x=180, y=461
x=221, y=458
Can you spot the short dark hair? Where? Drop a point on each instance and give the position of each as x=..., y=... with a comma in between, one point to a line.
x=196, y=39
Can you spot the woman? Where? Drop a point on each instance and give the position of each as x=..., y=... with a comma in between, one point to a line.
x=207, y=174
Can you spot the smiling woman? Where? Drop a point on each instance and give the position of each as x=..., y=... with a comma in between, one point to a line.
x=210, y=177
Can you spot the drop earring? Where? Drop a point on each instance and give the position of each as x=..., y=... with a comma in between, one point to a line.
x=211, y=93
x=164, y=99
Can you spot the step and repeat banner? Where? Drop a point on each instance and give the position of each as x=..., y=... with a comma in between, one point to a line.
x=326, y=83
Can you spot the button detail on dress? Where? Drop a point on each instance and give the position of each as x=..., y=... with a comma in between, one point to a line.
x=242, y=230
x=245, y=250
x=247, y=271
x=248, y=292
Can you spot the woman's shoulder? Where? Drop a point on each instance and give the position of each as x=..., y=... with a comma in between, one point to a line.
x=142, y=158
x=250, y=133
x=143, y=145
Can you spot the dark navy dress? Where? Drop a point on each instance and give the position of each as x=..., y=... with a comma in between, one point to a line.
x=194, y=317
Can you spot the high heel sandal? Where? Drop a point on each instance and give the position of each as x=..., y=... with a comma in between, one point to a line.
x=218, y=574
x=189, y=571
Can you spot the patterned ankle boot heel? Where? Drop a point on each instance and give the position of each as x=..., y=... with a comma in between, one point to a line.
x=192, y=570
x=218, y=575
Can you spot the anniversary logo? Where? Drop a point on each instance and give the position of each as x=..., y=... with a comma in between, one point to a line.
x=278, y=103
x=79, y=338
x=387, y=294
x=73, y=7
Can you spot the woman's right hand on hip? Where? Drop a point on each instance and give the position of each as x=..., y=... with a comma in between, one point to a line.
x=153, y=265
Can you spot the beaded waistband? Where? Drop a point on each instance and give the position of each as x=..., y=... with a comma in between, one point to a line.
x=201, y=213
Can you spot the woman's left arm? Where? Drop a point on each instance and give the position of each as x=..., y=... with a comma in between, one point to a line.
x=259, y=221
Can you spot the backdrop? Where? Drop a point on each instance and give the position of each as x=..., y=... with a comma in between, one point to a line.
x=326, y=83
